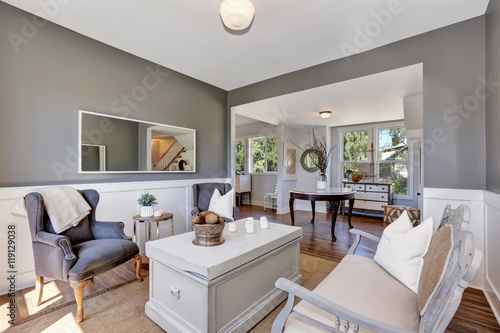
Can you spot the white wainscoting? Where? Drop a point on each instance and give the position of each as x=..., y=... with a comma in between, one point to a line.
x=492, y=241
x=485, y=225
x=435, y=200
x=118, y=202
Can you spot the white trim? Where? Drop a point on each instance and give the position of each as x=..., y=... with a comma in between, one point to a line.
x=478, y=200
x=268, y=136
x=491, y=284
x=435, y=200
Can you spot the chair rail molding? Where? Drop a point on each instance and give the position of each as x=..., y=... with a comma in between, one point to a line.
x=118, y=202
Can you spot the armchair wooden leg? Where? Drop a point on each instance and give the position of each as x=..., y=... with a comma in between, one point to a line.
x=78, y=287
x=138, y=263
x=39, y=287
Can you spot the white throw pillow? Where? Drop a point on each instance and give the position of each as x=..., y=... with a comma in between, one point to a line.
x=222, y=205
x=402, y=248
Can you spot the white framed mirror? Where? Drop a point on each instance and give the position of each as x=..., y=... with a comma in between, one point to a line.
x=111, y=144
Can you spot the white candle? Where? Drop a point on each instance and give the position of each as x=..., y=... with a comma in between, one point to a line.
x=263, y=222
x=249, y=225
x=231, y=226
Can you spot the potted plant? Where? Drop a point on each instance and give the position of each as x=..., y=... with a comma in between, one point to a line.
x=320, y=146
x=147, y=200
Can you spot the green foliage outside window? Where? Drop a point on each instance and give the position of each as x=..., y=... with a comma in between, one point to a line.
x=272, y=155
x=240, y=156
x=259, y=161
x=393, y=148
x=353, y=140
x=259, y=155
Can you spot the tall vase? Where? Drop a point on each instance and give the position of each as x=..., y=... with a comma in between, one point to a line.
x=322, y=182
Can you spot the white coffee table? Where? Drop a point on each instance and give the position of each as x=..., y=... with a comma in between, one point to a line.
x=225, y=288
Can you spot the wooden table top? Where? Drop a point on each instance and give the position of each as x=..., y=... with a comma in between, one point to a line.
x=164, y=216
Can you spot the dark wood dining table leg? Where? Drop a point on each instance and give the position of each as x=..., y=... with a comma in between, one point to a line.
x=291, y=210
x=335, y=209
x=349, y=214
x=313, y=206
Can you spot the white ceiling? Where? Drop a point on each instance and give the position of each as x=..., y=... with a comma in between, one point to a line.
x=286, y=35
x=369, y=99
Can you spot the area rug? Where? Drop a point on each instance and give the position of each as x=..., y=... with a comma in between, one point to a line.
x=122, y=309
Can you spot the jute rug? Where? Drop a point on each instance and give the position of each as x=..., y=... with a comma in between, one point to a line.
x=122, y=309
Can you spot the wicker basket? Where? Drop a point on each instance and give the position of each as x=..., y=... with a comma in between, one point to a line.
x=208, y=234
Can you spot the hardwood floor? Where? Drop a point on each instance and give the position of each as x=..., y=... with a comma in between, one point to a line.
x=473, y=315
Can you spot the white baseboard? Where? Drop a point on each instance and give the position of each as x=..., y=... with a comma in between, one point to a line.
x=118, y=202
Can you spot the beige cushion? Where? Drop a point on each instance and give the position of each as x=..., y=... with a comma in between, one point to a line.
x=362, y=286
x=435, y=262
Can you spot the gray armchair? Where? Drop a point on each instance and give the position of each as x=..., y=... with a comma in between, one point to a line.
x=202, y=193
x=79, y=253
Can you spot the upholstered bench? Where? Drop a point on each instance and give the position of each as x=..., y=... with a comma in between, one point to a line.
x=360, y=295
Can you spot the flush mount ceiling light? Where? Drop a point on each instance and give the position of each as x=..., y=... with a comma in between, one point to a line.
x=325, y=114
x=237, y=14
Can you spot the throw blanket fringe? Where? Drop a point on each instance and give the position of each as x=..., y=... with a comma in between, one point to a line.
x=65, y=206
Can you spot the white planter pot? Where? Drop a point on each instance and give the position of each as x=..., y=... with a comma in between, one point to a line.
x=147, y=211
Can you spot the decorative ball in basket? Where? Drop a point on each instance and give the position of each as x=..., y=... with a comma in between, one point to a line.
x=208, y=227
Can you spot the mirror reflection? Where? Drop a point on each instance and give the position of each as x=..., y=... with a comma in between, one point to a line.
x=115, y=144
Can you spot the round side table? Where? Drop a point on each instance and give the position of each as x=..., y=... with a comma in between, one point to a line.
x=147, y=221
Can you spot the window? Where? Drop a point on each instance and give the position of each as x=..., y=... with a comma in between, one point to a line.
x=392, y=163
x=353, y=141
x=240, y=155
x=393, y=158
x=264, y=155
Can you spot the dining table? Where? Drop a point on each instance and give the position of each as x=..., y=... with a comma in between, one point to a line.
x=333, y=195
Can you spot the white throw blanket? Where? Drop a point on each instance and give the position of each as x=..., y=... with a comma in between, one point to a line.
x=65, y=206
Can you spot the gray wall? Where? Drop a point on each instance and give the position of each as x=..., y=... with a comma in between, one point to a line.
x=453, y=64
x=493, y=103
x=56, y=72
x=255, y=129
x=121, y=144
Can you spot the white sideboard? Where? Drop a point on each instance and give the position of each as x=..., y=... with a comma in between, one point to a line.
x=370, y=197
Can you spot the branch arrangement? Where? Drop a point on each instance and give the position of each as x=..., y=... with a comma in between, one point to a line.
x=318, y=142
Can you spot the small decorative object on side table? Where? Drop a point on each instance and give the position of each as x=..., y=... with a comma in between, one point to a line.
x=147, y=200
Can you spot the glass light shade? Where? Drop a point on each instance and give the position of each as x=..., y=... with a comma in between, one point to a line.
x=237, y=14
x=325, y=114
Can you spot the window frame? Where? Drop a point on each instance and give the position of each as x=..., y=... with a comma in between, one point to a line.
x=245, y=154
x=373, y=137
x=249, y=153
x=341, y=141
x=409, y=183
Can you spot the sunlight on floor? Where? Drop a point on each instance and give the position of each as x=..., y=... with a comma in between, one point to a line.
x=65, y=324
x=51, y=294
